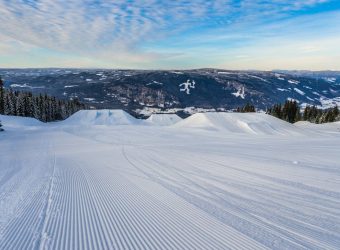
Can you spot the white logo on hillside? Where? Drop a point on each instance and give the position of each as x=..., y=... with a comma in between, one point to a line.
x=240, y=93
x=187, y=86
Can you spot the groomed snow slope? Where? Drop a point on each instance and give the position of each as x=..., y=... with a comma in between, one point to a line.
x=156, y=187
x=249, y=123
x=101, y=117
x=163, y=119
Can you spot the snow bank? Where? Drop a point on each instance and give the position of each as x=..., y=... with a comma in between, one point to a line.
x=101, y=117
x=19, y=122
x=333, y=127
x=247, y=123
x=163, y=119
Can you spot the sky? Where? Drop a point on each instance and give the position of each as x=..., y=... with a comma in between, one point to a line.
x=166, y=34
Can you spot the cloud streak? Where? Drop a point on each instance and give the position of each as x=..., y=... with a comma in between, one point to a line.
x=120, y=32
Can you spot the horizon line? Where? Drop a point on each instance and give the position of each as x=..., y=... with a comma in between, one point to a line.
x=188, y=69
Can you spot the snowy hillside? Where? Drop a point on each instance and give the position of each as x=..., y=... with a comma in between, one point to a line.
x=137, y=90
x=211, y=181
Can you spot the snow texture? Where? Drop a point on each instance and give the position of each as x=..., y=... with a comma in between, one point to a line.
x=294, y=82
x=211, y=181
x=299, y=91
x=163, y=119
x=243, y=123
x=101, y=117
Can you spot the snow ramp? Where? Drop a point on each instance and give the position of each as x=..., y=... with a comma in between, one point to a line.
x=101, y=117
x=19, y=122
x=163, y=119
x=246, y=123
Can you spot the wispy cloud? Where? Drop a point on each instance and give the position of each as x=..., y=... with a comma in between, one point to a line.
x=120, y=32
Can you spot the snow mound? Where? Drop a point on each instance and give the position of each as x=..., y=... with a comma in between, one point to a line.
x=19, y=122
x=163, y=119
x=333, y=127
x=246, y=123
x=101, y=117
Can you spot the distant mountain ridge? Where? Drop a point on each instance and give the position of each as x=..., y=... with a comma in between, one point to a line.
x=136, y=90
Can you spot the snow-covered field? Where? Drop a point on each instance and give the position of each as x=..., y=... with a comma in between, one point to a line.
x=103, y=180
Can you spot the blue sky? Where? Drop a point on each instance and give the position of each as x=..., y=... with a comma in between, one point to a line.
x=159, y=34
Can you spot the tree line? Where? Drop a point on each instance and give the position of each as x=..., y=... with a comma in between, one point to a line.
x=315, y=115
x=42, y=107
x=248, y=108
x=290, y=112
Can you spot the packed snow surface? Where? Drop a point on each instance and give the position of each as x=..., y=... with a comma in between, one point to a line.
x=15, y=122
x=245, y=123
x=101, y=117
x=251, y=182
x=163, y=119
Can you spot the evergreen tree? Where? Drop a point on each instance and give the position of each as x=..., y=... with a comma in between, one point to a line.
x=336, y=112
x=289, y=112
x=43, y=107
x=20, y=105
x=7, y=106
x=2, y=97
x=276, y=111
x=248, y=108
x=306, y=113
x=1, y=129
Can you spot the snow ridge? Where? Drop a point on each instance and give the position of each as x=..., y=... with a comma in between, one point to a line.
x=248, y=123
x=163, y=119
x=101, y=117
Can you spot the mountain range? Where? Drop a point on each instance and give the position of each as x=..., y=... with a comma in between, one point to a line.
x=147, y=91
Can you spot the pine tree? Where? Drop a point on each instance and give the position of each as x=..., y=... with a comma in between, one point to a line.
x=20, y=105
x=248, y=108
x=336, y=112
x=42, y=107
x=12, y=103
x=313, y=114
x=7, y=106
x=306, y=113
x=276, y=111
x=2, y=97
x=290, y=112
x=318, y=118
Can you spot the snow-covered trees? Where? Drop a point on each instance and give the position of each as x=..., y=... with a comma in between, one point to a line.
x=313, y=114
x=290, y=112
x=2, y=100
x=248, y=108
x=42, y=107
